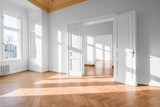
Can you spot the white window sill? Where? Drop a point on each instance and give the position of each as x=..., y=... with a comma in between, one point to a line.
x=11, y=60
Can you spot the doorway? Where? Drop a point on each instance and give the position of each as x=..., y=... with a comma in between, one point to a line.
x=98, y=47
x=123, y=47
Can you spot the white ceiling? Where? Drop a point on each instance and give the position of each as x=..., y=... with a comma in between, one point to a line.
x=24, y=3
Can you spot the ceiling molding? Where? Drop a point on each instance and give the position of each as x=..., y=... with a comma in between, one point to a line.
x=54, y=5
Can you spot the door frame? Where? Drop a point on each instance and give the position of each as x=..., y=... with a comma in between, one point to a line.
x=69, y=41
x=102, y=19
x=106, y=18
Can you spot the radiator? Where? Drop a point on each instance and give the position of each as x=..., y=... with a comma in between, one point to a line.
x=4, y=69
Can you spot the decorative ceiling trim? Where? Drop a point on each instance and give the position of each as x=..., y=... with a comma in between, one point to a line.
x=46, y=5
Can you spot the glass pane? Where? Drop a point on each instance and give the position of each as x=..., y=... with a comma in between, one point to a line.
x=89, y=54
x=107, y=56
x=90, y=40
x=99, y=54
x=100, y=46
x=76, y=41
x=10, y=21
x=11, y=44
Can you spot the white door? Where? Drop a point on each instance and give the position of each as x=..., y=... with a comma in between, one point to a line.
x=75, y=50
x=125, y=67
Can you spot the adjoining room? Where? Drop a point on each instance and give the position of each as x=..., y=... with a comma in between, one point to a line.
x=98, y=48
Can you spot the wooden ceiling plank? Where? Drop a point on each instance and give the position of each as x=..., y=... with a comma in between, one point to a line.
x=68, y=4
x=39, y=5
x=51, y=6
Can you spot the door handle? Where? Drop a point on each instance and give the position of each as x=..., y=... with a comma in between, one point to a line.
x=133, y=52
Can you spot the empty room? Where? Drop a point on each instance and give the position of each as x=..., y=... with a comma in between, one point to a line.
x=79, y=53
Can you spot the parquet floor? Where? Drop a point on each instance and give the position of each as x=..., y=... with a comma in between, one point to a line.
x=96, y=89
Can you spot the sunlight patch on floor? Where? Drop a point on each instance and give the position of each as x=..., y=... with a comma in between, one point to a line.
x=73, y=90
x=73, y=81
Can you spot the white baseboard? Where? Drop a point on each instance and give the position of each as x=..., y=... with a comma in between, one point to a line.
x=16, y=71
x=151, y=83
x=44, y=68
x=144, y=82
x=51, y=68
x=154, y=83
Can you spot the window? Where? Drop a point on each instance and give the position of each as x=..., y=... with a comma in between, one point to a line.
x=90, y=50
x=11, y=36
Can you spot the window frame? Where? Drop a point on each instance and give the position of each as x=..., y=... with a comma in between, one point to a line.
x=90, y=45
x=20, y=34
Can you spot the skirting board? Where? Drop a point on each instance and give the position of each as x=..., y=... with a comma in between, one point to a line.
x=56, y=70
x=149, y=83
x=15, y=72
x=89, y=65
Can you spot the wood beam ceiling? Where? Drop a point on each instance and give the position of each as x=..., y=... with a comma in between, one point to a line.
x=54, y=5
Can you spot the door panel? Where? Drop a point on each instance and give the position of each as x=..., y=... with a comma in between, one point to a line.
x=75, y=50
x=126, y=46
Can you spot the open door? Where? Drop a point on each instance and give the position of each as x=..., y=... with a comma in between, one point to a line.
x=75, y=50
x=125, y=66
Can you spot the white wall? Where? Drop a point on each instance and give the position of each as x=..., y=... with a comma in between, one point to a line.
x=19, y=65
x=99, y=29
x=35, y=63
x=40, y=62
x=100, y=33
x=148, y=24
x=45, y=41
x=58, y=25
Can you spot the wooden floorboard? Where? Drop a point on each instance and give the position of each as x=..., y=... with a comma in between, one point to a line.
x=95, y=89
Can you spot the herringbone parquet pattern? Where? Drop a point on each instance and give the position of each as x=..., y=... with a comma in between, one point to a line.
x=49, y=89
